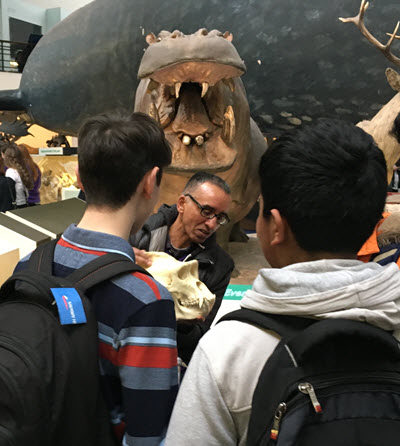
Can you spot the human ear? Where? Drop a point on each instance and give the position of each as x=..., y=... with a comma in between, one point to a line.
x=278, y=227
x=150, y=183
x=180, y=205
x=78, y=178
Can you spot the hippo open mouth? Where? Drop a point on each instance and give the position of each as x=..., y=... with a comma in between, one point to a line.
x=190, y=91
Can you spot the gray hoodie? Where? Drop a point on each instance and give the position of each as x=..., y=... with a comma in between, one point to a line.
x=214, y=402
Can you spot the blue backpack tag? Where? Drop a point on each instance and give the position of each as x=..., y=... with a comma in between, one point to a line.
x=70, y=306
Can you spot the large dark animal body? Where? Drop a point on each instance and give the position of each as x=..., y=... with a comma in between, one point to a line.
x=302, y=62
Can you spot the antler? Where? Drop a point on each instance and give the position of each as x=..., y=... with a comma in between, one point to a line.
x=358, y=20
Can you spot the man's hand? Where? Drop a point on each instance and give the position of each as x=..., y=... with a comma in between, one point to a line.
x=142, y=258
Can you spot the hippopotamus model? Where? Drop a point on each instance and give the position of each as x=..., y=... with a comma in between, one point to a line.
x=302, y=63
x=191, y=84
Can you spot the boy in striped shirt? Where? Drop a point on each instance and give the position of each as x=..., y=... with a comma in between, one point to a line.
x=120, y=166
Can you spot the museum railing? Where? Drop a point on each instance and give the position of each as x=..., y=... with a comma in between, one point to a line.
x=13, y=55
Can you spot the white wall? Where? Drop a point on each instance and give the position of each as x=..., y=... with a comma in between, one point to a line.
x=45, y=13
x=9, y=81
x=22, y=11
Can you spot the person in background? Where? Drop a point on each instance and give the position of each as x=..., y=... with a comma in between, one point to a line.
x=7, y=190
x=34, y=193
x=186, y=231
x=18, y=171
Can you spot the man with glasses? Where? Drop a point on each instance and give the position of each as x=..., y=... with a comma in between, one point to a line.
x=186, y=232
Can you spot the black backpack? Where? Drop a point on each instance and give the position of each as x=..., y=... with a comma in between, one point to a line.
x=49, y=373
x=328, y=382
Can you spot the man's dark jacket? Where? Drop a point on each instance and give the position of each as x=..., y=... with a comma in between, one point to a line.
x=215, y=269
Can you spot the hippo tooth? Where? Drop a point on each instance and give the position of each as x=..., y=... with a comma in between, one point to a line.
x=228, y=131
x=230, y=83
x=178, y=86
x=153, y=112
x=199, y=140
x=186, y=140
x=152, y=86
x=204, y=89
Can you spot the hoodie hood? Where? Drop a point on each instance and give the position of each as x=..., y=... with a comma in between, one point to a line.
x=347, y=289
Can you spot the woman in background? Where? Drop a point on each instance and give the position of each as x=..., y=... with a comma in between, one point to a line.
x=17, y=170
x=7, y=190
x=34, y=193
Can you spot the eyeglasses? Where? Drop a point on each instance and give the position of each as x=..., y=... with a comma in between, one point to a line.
x=207, y=212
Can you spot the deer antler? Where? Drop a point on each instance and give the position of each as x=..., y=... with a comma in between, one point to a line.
x=358, y=20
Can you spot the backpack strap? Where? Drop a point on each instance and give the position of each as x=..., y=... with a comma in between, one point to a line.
x=96, y=271
x=38, y=274
x=285, y=326
x=103, y=268
x=41, y=282
x=344, y=334
x=41, y=258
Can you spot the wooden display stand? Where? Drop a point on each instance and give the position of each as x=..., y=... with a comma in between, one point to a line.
x=9, y=257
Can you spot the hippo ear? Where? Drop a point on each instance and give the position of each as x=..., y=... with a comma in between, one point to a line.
x=151, y=38
x=228, y=36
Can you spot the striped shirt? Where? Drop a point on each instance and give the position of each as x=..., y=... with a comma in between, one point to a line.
x=137, y=338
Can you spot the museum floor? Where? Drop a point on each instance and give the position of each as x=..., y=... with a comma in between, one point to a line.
x=248, y=259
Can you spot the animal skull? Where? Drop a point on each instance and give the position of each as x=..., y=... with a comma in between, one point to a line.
x=192, y=298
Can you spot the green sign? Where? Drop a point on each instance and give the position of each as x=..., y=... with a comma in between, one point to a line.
x=235, y=292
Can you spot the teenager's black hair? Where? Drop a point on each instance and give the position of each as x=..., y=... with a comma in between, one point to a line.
x=329, y=181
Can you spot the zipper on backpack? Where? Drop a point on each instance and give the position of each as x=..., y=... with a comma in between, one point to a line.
x=280, y=411
x=308, y=389
x=305, y=388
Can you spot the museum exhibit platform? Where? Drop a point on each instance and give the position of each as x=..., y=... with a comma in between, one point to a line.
x=20, y=235
x=9, y=256
x=22, y=230
x=51, y=219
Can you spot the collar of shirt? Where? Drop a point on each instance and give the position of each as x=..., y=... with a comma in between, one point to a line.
x=179, y=254
x=97, y=241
